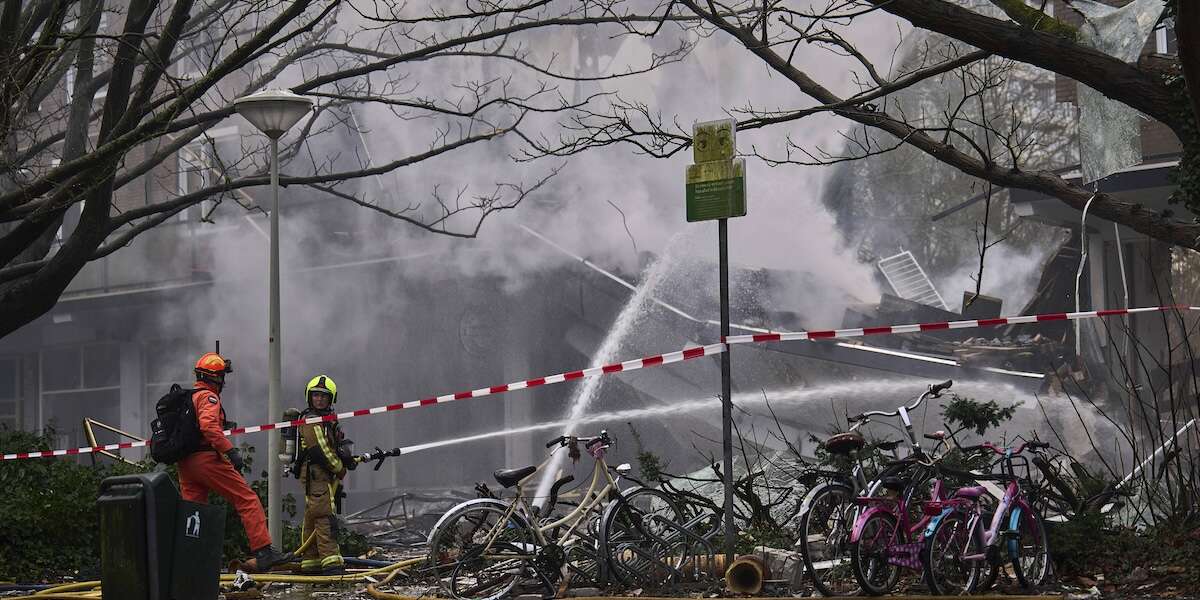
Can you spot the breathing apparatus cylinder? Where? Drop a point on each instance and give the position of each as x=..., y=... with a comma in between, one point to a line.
x=288, y=455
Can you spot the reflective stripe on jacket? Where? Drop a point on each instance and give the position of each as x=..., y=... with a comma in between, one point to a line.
x=320, y=438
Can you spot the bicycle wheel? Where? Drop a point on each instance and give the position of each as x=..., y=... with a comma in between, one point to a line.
x=478, y=555
x=1027, y=547
x=869, y=555
x=824, y=540
x=946, y=571
x=640, y=540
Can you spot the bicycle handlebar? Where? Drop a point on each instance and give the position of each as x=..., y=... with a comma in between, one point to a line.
x=994, y=449
x=588, y=442
x=934, y=391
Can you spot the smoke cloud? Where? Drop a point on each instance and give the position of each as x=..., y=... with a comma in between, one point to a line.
x=1009, y=273
x=388, y=338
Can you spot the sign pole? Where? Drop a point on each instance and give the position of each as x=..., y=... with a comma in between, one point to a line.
x=726, y=393
x=716, y=191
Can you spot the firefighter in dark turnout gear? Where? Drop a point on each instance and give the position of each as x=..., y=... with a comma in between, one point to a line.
x=321, y=464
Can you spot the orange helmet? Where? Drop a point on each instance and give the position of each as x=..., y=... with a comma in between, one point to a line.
x=213, y=365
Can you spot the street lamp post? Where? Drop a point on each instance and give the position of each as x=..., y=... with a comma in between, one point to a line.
x=273, y=112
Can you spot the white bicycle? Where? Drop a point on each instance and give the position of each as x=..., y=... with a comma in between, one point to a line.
x=483, y=548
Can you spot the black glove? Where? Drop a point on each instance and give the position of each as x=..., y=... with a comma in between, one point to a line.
x=235, y=459
x=346, y=455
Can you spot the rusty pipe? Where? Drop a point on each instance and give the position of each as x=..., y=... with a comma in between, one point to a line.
x=746, y=574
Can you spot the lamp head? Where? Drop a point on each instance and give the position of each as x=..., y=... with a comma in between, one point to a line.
x=273, y=112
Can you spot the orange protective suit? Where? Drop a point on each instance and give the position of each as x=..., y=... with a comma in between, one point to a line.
x=208, y=469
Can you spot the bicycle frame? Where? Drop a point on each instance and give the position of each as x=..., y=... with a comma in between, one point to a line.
x=866, y=496
x=591, y=498
x=868, y=504
x=857, y=480
x=1013, y=497
x=904, y=548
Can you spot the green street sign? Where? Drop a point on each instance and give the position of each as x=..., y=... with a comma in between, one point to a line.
x=716, y=190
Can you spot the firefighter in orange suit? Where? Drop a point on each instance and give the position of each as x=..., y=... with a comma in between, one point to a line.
x=217, y=465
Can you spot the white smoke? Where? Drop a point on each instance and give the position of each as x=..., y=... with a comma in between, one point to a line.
x=1009, y=273
x=609, y=205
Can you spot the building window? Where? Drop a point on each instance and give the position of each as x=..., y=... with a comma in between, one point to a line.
x=194, y=170
x=77, y=382
x=62, y=369
x=61, y=233
x=169, y=361
x=64, y=412
x=10, y=393
x=204, y=162
x=69, y=81
x=75, y=368
x=1165, y=41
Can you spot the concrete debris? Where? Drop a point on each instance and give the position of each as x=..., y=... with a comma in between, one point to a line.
x=1090, y=594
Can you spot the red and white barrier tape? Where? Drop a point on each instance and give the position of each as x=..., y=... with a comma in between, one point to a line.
x=629, y=365
x=641, y=363
x=967, y=324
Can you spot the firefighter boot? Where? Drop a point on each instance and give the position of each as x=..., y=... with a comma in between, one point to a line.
x=267, y=557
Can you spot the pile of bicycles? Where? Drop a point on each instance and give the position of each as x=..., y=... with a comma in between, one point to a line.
x=483, y=549
x=864, y=529
x=865, y=535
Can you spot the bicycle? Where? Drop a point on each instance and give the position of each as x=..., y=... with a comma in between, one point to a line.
x=482, y=548
x=829, y=510
x=957, y=547
x=1058, y=502
x=888, y=534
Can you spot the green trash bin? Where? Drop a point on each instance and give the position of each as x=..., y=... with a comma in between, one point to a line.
x=137, y=516
x=199, y=536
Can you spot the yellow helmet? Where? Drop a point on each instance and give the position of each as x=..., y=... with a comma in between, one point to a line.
x=321, y=383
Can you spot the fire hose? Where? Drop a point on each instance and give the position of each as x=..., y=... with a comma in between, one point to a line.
x=91, y=589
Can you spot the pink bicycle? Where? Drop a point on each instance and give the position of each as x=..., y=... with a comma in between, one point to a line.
x=888, y=534
x=957, y=549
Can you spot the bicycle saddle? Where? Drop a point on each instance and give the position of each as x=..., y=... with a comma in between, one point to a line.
x=972, y=492
x=896, y=484
x=510, y=477
x=845, y=443
x=888, y=446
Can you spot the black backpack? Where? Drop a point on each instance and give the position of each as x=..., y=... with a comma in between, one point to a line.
x=176, y=431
